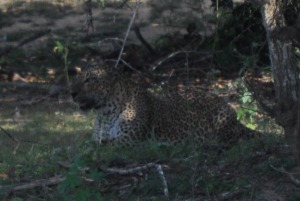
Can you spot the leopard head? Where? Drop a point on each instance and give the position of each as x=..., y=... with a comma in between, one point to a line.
x=93, y=87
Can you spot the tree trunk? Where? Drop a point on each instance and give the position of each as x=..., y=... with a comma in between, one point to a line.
x=285, y=72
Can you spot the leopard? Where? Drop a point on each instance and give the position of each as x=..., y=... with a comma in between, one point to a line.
x=128, y=113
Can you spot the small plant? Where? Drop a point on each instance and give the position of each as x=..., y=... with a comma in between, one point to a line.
x=248, y=111
x=76, y=186
x=64, y=51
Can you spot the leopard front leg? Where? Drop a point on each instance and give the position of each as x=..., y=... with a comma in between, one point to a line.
x=106, y=128
x=113, y=130
x=98, y=129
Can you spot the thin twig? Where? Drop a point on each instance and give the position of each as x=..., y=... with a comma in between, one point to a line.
x=163, y=179
x=128, y=171
x=19, y=141
x=139, y=36
x=125, y=3
x=288, y=174
x=25, y=41
x=127, y=32
x=110, y=39
x=38, y=183
x=8, y=134
x=205, y=57
x=126, y=64
x=89, y=17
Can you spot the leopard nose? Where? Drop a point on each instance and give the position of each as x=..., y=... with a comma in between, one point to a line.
x=74, y=94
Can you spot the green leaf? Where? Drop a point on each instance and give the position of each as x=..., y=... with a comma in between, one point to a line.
x=251, y=126
x=240, y=113
x=58, y=47
x=246, y=98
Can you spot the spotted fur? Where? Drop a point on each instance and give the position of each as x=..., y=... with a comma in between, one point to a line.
x=128, y=113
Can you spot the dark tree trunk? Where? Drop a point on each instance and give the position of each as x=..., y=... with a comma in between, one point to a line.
x=285, y=71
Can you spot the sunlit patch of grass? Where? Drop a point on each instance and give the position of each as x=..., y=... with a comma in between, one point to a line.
x=45, y=130
x=10, y=125
x=42, y=124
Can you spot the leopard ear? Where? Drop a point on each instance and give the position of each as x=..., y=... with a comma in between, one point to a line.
x=111, y=66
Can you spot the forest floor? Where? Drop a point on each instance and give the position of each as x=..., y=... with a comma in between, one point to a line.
x=44, y=138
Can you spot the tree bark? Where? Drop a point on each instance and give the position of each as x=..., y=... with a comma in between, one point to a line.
x=285, y=72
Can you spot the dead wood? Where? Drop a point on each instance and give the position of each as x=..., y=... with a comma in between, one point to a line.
x=200, y=56
x=134, y=170
x=139, y=36
x=8, y=134
x=25, y=41
x=290, y=175
x=138, y=169
x=34, y=184
x=89, y=17
x=127, y=33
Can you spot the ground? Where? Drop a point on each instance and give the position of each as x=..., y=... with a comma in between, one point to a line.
x=45, y=136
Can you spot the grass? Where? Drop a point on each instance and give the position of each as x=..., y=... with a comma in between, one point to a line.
x=46, y=136
x=53, y=133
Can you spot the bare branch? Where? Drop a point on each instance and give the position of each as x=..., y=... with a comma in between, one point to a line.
x=127, y=32
x=143, y=40
x=19, y=141
x=89, y=17
x=122, y=171
x=163, y=179
x=8, y=134
x=126, y=64
x=125, y=3
x=288, y=174
x=139, y=169
x=206, y=55
x=25, y=41
x=38, y=183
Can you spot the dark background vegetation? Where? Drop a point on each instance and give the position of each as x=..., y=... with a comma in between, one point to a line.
x=212, y=45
